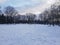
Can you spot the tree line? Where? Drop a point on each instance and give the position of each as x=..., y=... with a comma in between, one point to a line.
x=11, y=15
x=50, y=16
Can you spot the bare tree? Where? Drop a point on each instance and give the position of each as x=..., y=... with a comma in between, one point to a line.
x=10, y=12
x=31, y=17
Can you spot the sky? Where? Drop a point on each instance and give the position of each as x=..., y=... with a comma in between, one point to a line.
x=27, y=6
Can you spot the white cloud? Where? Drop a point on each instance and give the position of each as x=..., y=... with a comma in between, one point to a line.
x=39, y=1
x=39, y=8
x=2, y=1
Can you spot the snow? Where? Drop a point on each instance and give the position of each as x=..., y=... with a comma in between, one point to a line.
x=29, y=34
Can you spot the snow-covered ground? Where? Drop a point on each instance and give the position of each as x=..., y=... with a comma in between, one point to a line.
x=29, y=34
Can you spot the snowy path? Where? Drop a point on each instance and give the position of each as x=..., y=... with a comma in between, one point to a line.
x=24, y=34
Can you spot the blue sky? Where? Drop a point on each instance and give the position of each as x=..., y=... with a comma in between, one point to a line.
x=26, y=6
x=21, y=2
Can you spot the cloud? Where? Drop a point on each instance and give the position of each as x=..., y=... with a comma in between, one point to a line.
x=32, y=6
x=39, y=8
x=39, y=0
x=2, y=1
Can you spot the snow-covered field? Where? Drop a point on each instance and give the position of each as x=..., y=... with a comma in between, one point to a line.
x=29, y=34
